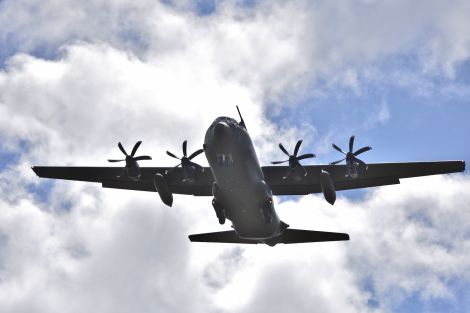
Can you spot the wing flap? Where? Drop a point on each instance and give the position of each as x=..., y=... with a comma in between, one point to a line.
x=129, y=185
x=297, y=189
x=363, y=183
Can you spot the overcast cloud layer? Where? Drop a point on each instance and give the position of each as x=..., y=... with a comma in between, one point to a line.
x=79, y=76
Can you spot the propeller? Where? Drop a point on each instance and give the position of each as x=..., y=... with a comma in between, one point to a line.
x=351, y=156
x=131, y=160
x=185, y=159
x=294, y=159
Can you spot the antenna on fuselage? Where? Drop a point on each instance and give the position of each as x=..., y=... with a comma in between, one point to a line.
x=242, y=122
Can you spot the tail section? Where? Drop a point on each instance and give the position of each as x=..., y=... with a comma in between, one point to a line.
x=223, y=236
x=300, y=236
x=289, y=236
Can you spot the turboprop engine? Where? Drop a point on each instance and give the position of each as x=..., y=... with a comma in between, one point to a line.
x=327, y=187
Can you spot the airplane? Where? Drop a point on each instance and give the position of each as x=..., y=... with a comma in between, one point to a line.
x=242, y=191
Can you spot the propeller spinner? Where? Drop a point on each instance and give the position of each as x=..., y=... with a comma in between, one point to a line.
x=351, y=156
x=131, y=168
x=186, y=163
x=294, y=159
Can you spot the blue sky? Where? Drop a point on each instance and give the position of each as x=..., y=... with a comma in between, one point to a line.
x=72, y=85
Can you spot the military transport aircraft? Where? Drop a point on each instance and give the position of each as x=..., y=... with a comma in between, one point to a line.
x=242, y=190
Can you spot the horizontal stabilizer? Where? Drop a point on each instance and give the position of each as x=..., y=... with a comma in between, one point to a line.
x=299, y=236
x=288, y=236
x=223, y=236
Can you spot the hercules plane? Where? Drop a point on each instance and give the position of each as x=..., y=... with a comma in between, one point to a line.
x=242, y=190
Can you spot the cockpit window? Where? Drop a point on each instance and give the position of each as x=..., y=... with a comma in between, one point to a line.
x=230, y=121
x=224, y=160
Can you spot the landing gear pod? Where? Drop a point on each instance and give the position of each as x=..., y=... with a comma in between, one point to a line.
x=219, y=211
x=327, y=187
x=161, y=186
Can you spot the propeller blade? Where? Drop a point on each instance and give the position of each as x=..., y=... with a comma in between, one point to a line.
x=362, y=150
x=297, y=146
x=359, y=161
x=143, y=157
x=185, y=143
x=122, y=148
x=336, y=162
x=172, y=155
x=284, y=149
x=136, y=146
x=195, y=154
x=116, y=160
x=279, y=162
x=306, y=156
x=351, y=143
x=339, y=149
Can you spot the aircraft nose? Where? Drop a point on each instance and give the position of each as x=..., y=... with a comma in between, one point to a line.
x=220, y=129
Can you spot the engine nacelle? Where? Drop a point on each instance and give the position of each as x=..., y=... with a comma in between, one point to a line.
x=327, y=187
x=161, y=186
x=133, y=172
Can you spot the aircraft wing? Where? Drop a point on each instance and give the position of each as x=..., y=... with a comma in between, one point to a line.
x=108, y=177
x=377, y=174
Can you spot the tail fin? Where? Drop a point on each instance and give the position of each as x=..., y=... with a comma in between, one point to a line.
x=288, y=236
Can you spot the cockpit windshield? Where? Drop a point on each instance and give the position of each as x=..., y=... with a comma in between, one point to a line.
x=230, y=121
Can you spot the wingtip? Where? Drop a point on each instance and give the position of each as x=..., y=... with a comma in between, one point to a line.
x=37, y=170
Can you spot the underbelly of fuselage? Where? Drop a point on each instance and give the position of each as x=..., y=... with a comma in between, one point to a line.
x=239, y=189
x=246, y=205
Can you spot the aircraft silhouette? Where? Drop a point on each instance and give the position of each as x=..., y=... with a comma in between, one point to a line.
x=242, y=190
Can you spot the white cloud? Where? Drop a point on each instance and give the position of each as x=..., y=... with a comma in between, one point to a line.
x=89, y=249
x=379, y=117
x=269, y=47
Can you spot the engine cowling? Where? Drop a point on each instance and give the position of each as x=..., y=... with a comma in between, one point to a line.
x=327, y=187
x=163, y=190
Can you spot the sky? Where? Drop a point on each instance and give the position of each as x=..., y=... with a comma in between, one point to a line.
x=76, y=77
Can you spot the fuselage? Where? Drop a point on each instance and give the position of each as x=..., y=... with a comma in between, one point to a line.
x=239, y=186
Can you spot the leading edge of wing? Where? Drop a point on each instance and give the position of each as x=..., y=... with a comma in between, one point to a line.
x=108, y=177
x=79, y=173
x=373, y=170
x=414, y=169
x=376, y=174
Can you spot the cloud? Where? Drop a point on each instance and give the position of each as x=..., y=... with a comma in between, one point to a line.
x=406, y=239
x=220, y=272
x=77, y=83
x=381, y=116
x=420, y=238
x=262, y=46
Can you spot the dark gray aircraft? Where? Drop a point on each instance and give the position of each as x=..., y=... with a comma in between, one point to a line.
x=242, y=190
